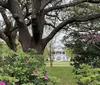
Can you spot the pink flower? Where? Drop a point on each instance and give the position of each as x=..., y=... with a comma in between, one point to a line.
x=45, y=76
x=26, y=59
x=2, y=83
x=35, y=72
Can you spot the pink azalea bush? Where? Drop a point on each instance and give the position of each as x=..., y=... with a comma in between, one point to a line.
x=24, y=68
x=35, y=73
x=46, y=76
x=26, y=59
x=2, y=83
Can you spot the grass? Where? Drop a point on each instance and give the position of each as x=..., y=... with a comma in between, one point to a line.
x=59, y=64
x=63, y=72
x=64, y=75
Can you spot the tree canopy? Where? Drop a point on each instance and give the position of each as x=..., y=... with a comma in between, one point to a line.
x=20, y=16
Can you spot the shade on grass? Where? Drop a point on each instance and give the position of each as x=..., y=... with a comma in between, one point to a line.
x=63, y=74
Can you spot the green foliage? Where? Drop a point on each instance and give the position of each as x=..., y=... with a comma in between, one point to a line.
x=86, y=61
x=22, y=68
x=46, y=53
x=83, y=52
x=86, y=75
x=86, y=54
x=69, y=52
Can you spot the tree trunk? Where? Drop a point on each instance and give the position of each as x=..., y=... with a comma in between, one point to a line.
x=51, y=59
x=39, y=46
x=37, y=22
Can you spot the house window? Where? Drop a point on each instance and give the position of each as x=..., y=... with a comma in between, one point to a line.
x=59, y=52
x=63, y=52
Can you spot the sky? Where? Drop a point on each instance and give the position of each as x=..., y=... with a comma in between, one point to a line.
x=0, y=17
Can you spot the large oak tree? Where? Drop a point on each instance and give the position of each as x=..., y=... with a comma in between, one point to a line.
x=21, y=15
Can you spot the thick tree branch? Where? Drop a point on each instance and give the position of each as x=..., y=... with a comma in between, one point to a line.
x=3, y=3
x=71, y=4
x=3, y=36
x=24, y=35
x=27, y=14
x=6, y=20
x=14, y=29
x=37, y=21
x=8, y=36
x=9, y=41
x=17, y=14
x=45, y=3
x=93, y=1
x=69, y=21
x=29, y=23
x=36, y=4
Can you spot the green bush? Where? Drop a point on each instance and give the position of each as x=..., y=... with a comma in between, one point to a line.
x=19, y=68
x=86, y=75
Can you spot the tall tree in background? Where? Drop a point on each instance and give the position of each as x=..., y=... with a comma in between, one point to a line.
x=40, y=14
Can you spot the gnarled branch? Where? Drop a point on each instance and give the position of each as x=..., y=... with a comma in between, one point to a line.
x=71, y=4
x=69, y=21
x=6, y=20
x=45, y=3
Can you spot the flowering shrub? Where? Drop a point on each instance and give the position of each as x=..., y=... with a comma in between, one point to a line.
x=86, y=75
x=19, y=68
x=2, y=83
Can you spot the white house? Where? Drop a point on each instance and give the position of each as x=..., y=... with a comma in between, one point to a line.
x=58, y=53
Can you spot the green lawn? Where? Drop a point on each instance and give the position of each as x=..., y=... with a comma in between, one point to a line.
x=63, y=72
x=59, y=64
